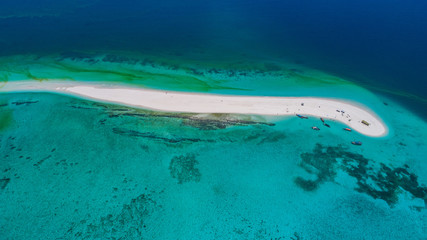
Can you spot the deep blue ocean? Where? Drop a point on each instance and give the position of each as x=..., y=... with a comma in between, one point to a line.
x=379, y=44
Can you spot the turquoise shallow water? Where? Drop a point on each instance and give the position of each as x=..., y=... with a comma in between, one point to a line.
x=240, y=77
x=75, y=169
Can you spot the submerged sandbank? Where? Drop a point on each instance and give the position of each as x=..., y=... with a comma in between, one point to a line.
x=348, y=113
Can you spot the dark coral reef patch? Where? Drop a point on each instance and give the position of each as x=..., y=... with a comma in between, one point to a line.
x=375, y=179
x=154, y=136
x=129, y=223
x=212, y=121
x=184, y=169
x=4, y=182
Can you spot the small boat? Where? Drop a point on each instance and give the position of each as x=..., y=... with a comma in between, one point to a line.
x=301, y=116
x=356, y=143
x=365, y=122
x=315, y=128
x=321, y=119
x=327, y=125
x=347, y=129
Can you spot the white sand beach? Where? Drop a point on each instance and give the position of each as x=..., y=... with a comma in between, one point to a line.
x=351, y=114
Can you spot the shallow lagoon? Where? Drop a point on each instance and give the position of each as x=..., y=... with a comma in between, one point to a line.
x=79, y=169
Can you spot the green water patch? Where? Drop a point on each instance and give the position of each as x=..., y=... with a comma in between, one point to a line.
x=140, y=73
x=7, y=109
x=267, y=78
x=379, y=181
x=145, y=74
x=6, y=117
x=176, y=61
x=4, y=77
x=253, y=78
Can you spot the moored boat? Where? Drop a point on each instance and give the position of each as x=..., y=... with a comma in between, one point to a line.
x=315, y=128
x=347, y=129
x=356, y=143
x=365, y=122
x=301, y=116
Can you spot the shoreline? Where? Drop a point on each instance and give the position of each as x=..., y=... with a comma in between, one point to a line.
x=339, y=110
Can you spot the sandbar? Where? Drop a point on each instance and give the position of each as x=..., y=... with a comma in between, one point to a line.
x=346, y=112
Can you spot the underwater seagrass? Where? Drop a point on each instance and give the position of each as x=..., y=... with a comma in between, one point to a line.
x=380, y=182
x=183, y=168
